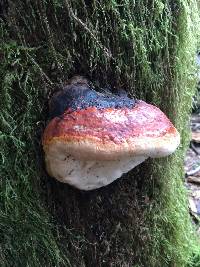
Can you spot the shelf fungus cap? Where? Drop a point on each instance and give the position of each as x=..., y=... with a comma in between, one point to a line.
x=91, y=146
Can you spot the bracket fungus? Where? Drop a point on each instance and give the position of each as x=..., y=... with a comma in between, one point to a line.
x=93, y=138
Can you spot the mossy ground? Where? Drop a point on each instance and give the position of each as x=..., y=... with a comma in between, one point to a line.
x=146, y=47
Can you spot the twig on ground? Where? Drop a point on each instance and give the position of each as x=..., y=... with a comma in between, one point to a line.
x=193, y=179
x=194, y=148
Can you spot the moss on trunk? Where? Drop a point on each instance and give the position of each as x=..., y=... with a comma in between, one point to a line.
x=146, y=47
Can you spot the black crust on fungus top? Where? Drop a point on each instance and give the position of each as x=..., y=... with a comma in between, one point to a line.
x=81, y=96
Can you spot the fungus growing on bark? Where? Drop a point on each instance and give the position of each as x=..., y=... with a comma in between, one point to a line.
x=93, y=138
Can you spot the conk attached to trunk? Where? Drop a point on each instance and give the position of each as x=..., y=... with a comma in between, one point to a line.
x=93, y=138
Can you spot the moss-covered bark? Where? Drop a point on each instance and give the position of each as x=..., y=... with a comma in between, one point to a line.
x=146, y=47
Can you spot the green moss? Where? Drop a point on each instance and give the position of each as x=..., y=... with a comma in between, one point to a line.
x=138, y=45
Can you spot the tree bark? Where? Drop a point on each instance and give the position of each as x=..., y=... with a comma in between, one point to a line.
x=140, y=46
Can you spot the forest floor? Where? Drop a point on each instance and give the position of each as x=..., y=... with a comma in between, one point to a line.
x=192, y=171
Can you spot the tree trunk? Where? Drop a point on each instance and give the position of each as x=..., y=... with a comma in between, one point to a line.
x=144, y=47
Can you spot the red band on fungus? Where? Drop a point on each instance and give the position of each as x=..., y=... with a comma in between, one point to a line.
x=116, y=125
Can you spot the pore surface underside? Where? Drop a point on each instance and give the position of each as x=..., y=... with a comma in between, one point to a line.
x=90, y=174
